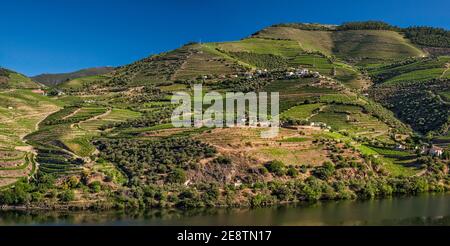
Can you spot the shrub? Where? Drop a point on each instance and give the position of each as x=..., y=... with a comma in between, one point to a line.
x=324, y=172
x=292, y=172
x=276, y=167
x=95, y=186
x=67, y=196
x=72, y=182
x=223, y=160
x=177, y=176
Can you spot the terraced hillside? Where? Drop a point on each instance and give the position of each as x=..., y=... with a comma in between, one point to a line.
x=20, y=113
x=361, y=46
x=411, y=70
x=360, y=109
x=189, y=62
x=418, y=104
x=63, y=140
x=415, y=90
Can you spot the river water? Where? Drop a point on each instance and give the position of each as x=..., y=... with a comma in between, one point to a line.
x=426, y=209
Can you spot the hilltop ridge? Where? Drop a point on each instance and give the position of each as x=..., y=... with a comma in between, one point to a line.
x=11, y=79
x=55, y=79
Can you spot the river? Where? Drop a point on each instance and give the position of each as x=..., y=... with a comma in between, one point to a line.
x=426, y=209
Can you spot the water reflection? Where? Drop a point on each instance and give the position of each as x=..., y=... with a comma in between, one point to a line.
x=428, y=209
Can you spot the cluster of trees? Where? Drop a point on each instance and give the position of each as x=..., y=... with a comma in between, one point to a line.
x=307, y=26
x=428, y=36
x=366, y=25
x=152, y=161
x=35, y=191
x=242, y=84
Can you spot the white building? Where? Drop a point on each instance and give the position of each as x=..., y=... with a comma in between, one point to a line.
x=436, y=151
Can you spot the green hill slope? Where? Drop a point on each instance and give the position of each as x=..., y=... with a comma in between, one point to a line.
x=188, y=62
x=113, y=140
x=411, y=70
x=12, y=80
x=55, y=79
x=416, y=90
x=276, y=47
x=81, y=82
x=371, y=45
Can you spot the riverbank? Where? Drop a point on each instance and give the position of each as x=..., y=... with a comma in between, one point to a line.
x=425, y=209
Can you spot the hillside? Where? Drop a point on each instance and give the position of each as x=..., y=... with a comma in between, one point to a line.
x=20, y=112
x=11, y=79
x=359, y=104
x=55, y=79
x=329, y=50
x=416, y=90
x=360, y=46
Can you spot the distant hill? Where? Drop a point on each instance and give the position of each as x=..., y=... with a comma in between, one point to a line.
x=322, y=48
x=55, y=79
x=10, y=79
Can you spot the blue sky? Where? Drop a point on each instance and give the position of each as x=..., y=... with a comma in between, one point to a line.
x=65, y=35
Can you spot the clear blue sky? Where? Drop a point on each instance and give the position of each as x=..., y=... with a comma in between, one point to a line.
x=66, y=35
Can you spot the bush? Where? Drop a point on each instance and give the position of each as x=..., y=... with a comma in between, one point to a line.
x=223, y=160
x=326, y=171
x=276, y=167
x=292, y=172
x=73, y=182
x=311, y=190
x=177, y=176
x=95, y=186
x=67, y=196
x=189, y=199
x=260, y=200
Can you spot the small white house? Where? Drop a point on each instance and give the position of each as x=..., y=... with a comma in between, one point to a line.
x=290, y=74
x=436, y=151
x=302, y=72
x=400, y=147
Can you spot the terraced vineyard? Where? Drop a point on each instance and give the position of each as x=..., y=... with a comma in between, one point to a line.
x=362, y=45
x=20, y=112
x=63, y=141
x=363, y=112
x=411, y=71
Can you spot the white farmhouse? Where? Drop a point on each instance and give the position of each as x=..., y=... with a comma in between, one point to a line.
x=436, y=151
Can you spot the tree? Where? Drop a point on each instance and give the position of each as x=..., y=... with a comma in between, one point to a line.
x=52, y=92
